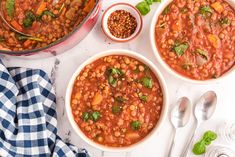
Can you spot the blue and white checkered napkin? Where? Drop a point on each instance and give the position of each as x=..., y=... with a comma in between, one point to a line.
x=28, y=117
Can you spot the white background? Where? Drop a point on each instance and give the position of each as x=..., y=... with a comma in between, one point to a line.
x=97, y=42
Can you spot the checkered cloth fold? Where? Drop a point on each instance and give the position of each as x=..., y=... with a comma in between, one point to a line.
x=28, y=116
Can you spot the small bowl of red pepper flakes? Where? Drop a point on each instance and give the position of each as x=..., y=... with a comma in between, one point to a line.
x=122, y=22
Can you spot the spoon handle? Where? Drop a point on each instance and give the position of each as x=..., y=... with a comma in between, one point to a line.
x=189, y=142
x=172, y=143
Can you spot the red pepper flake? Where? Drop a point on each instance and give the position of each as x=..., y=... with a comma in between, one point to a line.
x=122, y=24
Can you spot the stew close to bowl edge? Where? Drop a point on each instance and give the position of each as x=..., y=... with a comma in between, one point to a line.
x=46, y=21
x=197, y=38
x=116, y=101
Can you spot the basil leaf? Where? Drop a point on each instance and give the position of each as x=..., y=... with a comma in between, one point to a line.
x=204, y=10
x=144, y=98
x=149, y=2
x=147, y=82
x=224, y=21
x=166, y=10
x=199, y=148
x=135, y=125
x=46, y=12
x=210, y=134
x=113, y=71
x=180, y=48
x=95, y=116
x=143, y=7
x=120, y=99
x=85, y=116
x=116, y=109
x=29, y=19
x=204, y=54
x=112, y=81
x=10, y=7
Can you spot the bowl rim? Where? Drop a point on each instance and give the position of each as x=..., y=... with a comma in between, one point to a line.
x=96, y=8
x=165, y=65
x=129, y=54
x=132, y=37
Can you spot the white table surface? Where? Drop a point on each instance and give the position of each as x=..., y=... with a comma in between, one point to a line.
x=65, y=64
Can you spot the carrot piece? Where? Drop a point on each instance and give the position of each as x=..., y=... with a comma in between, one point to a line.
x=214, y=40
x=41, y=7
x=89, y=6
x=16, y=25
x=218, y=7
x=177, y=26
x=63, y=11
x=27, y=43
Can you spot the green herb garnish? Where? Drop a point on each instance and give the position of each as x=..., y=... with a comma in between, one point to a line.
x=180, y=48
x=10, y=7
x=224, y=21
x=112, y=81
x=135, y=125
x=204, y=54
x=210, y=134
x=29, y=19
x=204, y=10
x=46, y=12
x=147, y=82
x=149, y=2
x=200, y=147
x=95, y=116
x=27, y=37
x=166, y=10
x=143, y=7
x=85, y=116
x=116, y=109
x=144, y=98
x=111, y=72
x=120, y=99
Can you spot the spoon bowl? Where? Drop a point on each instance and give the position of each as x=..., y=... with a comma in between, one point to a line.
x=206, y=106
x=180, y=114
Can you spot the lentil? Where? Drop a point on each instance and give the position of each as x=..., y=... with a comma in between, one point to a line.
x=197, y=43
x=46, y=20
x=118, y=118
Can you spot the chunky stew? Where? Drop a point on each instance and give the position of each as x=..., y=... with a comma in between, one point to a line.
x=45, y=20
x=196, y=38
x=116, y=101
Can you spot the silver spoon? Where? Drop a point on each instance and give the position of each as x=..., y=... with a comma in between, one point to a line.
x=180, y=116
x=203, y=111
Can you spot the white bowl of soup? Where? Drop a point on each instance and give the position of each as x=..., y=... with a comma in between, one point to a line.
x=195, y=40
x=116, y=100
